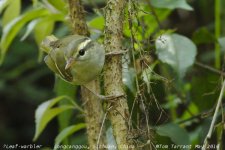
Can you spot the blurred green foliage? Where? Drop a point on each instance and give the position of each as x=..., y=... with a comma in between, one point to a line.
x=179, y=96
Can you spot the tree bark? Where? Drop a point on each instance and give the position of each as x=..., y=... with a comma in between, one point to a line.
x=93, y=109
x=77, y=18
x=119, y=113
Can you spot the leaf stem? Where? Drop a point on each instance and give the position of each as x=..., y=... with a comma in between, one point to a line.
x=210, y=68
x=217, y=32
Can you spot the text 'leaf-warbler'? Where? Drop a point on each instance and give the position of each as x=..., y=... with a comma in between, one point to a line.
x=76, y=59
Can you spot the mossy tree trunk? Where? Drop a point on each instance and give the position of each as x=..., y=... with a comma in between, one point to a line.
x=119, y=113
x=92, y=105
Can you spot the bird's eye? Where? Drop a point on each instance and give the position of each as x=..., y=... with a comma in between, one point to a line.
x=82, y=52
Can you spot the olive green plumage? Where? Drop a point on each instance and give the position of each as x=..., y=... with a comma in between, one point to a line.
x=76, y=59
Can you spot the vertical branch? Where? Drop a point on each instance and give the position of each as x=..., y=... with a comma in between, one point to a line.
x=77, y=18
x=217, y=32
x=94, y=115
x=119, y=113
x=93, y=109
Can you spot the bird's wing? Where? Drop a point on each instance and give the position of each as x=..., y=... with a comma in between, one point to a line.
x=51, y=64
x=57, y=56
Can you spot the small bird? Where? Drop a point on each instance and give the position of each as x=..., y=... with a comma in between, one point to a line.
x=76, y=59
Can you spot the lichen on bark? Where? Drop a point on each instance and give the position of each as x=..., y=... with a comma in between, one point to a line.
x=92, y=105
x=119, y=113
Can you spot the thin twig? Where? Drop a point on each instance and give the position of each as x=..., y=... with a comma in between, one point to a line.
x=102, y=126
x=133, y=57
x=154, y=13
x=214, y=117
x=210, y=68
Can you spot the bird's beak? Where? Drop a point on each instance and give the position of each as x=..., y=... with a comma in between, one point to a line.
x=69, y=63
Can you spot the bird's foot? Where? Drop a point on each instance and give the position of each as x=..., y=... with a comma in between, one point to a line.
x=105, y=97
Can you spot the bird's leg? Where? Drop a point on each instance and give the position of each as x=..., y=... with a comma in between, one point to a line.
x=109, y=97
x=104, y=97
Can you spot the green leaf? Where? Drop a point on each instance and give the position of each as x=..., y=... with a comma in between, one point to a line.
x=219, y=131
x=97, y=23
x=177, y=134
x=68, y=131
x=173, y=102
x=30, y=28
x=202, y=36
x=148, y=19
x=176, y=50
x=11, y=12
x=34, y=3
x=3, y=4
x=202, y=90
x=62, y=87
x=42, y=118
x=171, y=4
x=12, y=28
x=59, y=5
x=43, y=28
x=45, y=113
x=186, y=115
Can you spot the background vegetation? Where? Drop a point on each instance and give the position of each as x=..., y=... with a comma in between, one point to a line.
x=172, y=77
